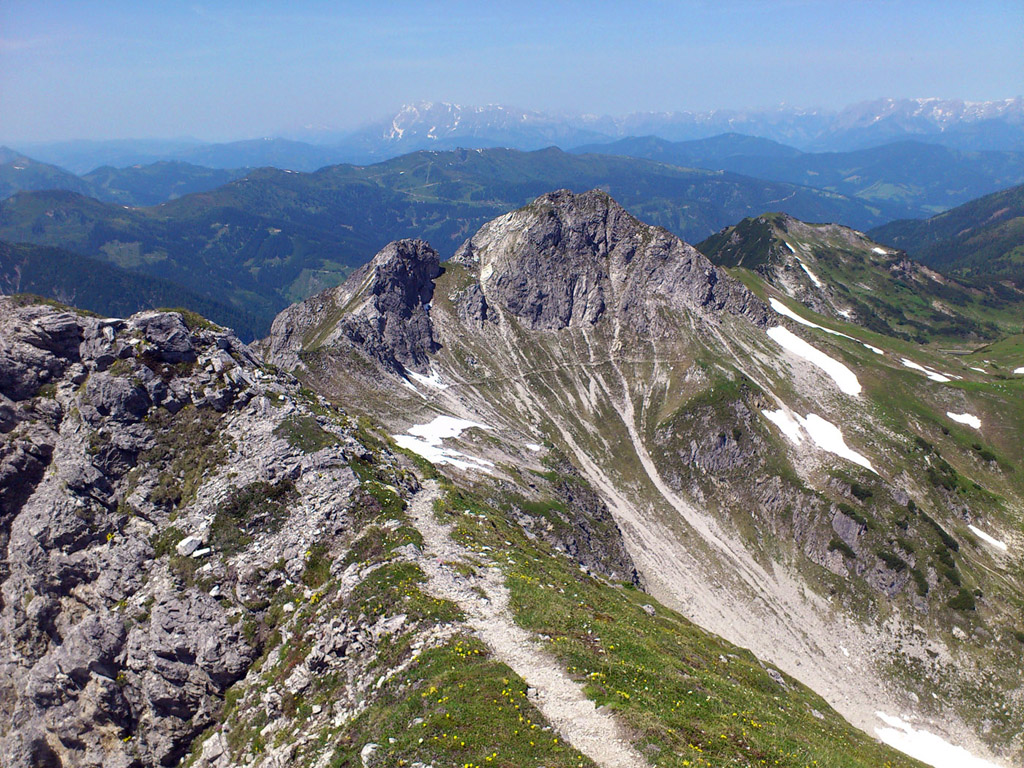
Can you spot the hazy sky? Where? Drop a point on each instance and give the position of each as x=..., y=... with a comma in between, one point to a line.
x=244, y=68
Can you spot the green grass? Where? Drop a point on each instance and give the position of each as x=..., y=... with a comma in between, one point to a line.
x=256, y=508
x=190, y=446
x=460, y=708
x=687, y=697
x=304, y=433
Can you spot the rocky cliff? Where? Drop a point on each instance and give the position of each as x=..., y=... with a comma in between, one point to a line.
x=160, y=488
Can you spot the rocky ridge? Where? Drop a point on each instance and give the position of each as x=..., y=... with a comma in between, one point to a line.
x=138, y=456
x=177, y=517
x=569, y=322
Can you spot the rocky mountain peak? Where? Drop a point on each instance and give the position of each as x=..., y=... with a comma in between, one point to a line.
x=383, y=309
x=566, y=258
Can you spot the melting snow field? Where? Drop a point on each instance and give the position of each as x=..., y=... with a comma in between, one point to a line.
x=925, y=746
x=433, y=380
x=425, y=440
x=789, y=426
x=844, y=378
x=1019, y=370
x=824, y=434
x=782, y=309
x=965, y=418
x=933, y=375
x=989, y=539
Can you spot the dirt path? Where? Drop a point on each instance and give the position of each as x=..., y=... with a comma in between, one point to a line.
x=559, y=698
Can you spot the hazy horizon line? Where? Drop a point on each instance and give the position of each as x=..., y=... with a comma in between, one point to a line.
x=289, y=133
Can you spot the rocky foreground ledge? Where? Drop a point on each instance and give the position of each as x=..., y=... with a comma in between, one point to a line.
x=162, y=496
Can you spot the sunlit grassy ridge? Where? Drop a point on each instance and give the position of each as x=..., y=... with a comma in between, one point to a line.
x=687, y=697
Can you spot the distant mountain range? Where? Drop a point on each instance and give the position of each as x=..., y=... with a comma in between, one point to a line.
x=904, y=179
x=922, y=178
x=134, y=185
x=989, y=125
x=275, y=236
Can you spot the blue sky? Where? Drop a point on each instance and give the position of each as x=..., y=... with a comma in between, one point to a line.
x=238, y=69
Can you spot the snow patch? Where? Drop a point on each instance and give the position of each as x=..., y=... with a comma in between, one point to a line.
x=844, y=378
x=425, y=440
x=782, y=309
x=933, y=375
x=788, y=425
x=824, y=434
x=788, y=246
x=533, y=447
x=925, y=746
x=1019, y=370
x=979, y=370
x=829, y=437
x=880, y=251
x=433, y=380
x=814, y=277
x=965, y=418
x=409, y=385
x=990, y=539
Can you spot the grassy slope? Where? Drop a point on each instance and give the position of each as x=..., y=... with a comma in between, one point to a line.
x=886, y=293
x=104, y=288
x=687, y=697
x=981, y=239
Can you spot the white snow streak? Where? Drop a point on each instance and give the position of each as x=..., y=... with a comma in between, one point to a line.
x=814, y=277
x=433, y=380
x=533, y=447
x=1019, y=370
x=965, y=418
x=425, y=440
x=829, y=437
x=925, y=746
x=824, y=434
x=985, y=537
x=880, y=251
x=979, y=370
x=844, y=378
x=933, y=375
x=782, y=309
x=789, y=426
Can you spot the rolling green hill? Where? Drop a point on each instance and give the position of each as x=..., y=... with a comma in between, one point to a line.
x=276, y=236
x=20, y=173
x=842, y=274
x=155, y=183
x=982, y=240
x=103, y=288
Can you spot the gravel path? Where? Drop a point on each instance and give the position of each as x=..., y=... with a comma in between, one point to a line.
x=559, y=698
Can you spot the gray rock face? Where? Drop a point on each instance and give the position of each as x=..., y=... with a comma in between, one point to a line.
x=114, y=650
x=394, y=325
x=383, y=310
x=168, y=334
x=567, y=259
